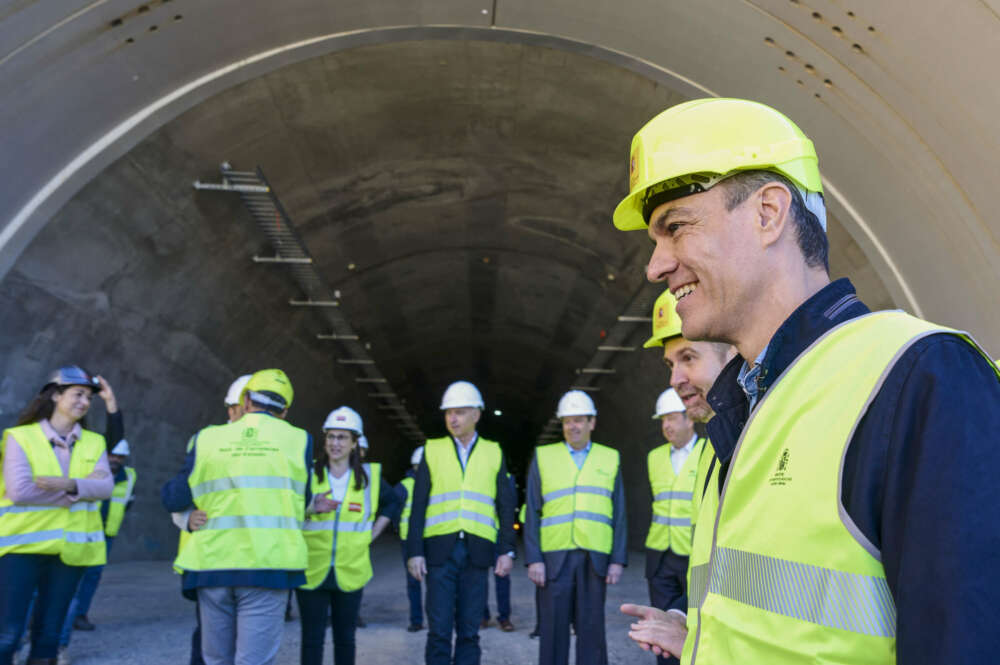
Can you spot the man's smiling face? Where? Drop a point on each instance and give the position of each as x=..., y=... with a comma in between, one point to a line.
x=705, y=253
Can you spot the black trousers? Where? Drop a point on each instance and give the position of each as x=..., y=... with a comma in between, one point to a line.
x=576, y=593
x=342, y=609
x=666, y=586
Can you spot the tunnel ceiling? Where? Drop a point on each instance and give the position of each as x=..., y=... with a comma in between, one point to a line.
x=465, y=158
x=456, y=193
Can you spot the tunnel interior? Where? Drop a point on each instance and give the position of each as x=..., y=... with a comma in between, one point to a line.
x=456, y=193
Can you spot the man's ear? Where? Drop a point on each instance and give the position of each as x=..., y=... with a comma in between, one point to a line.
x=773, y=208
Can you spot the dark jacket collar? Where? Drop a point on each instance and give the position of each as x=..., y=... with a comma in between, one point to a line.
x=830, y=306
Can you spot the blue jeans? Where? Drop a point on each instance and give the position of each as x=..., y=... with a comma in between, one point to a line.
x=456, y=593
x=80, y=604
x=22, y=575
x=413, y=593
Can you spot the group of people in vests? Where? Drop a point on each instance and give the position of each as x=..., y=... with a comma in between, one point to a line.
x=267, y=513
x=63, y=497
x=841, y=508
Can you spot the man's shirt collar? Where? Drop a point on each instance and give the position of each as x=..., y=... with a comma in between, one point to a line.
x=832, y=305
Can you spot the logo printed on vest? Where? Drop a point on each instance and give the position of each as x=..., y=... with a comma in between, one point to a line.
x=780, y=477
x=354, y=507
x=250, y=433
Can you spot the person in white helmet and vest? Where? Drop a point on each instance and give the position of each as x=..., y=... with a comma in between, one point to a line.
x=575, y=534
x=463, y=507
x=55, y=474
x=846, y=532
x=404, y=492
x=113, y=514
x=251, y=479
x=693, y=369
x=353, y=504
x=673, y=473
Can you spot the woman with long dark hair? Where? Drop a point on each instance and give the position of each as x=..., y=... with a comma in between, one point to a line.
x=352, y=506
x=55, y=474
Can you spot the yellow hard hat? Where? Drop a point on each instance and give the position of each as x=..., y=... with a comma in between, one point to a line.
x=666, y=323
x=268, y=384
x=690, y=147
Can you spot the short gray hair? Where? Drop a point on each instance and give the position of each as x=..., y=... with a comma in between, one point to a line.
x=809, y=232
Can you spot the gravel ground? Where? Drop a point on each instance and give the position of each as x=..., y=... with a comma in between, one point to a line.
x=142, y=618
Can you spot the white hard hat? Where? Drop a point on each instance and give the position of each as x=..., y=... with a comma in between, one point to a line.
x=236, y=389
x=344, y=417
x=461, y=394
x=576, y=403
x=363, y=441
x=668, y=402
x=121, y=448
x=417, y=455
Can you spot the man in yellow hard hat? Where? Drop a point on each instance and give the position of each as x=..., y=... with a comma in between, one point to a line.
x=839, y=500
x=693, y=368
x=251, y=479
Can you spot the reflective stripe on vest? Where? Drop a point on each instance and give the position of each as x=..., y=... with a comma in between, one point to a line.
x=119, y=500
x=813, y=583
x=673, y=494
x=577, y=509
x=404, y=517
x=342, y=537
x=706, y=498
x=250, y=478
x=462, y=500
x=75, y=533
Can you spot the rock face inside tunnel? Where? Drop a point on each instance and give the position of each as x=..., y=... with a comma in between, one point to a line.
x=458, y=195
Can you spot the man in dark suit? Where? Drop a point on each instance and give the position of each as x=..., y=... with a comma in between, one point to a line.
x=463, y=513
x=574, y=534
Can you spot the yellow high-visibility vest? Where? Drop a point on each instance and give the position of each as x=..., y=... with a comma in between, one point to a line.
x=342, y=537
x=250, y=477
x=790, y=579
x=577, y=507
x=404, y=517
x=120, y=497
x=673, y=498
x=74, y=533
x=462, y=500
x=707, y=500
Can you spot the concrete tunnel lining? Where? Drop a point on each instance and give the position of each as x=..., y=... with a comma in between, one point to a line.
x=634, y=386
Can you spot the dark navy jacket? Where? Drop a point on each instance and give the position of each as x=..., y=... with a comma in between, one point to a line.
x=176, y=498
x=437, y=549
x=919, y=478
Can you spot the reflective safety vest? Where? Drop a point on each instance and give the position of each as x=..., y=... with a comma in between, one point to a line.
x=577, y=509
x=250, y=478
x=120, y=497
x=341, y=537
x=75, y=533
x=462, y=501
x=791, y=579
x=185, y=534
x=706, y=498
x=404, y=517
x=673, y=495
